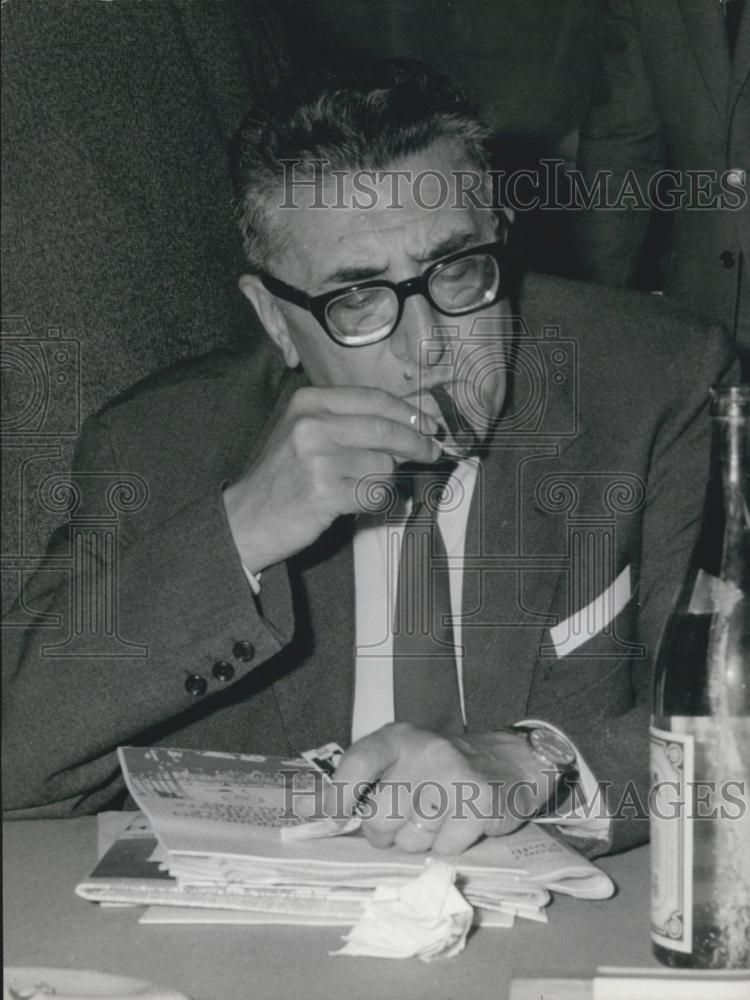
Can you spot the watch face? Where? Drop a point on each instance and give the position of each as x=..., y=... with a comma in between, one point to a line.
x=553, y=749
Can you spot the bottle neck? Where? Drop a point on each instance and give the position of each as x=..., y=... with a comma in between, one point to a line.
x=730, y=467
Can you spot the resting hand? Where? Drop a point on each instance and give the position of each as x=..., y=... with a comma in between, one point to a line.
x=439, y=793
x=325, y=442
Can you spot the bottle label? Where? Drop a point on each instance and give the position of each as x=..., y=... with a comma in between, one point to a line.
x=672, y=766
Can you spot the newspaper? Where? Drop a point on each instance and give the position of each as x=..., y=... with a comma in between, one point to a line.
x=219, y=817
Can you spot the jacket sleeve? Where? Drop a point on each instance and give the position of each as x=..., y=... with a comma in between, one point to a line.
x=616, y=747
x=621, y=145
x=129, y=620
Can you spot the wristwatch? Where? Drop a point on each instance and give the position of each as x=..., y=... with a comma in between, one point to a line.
x=551, y=749
x=556, y=753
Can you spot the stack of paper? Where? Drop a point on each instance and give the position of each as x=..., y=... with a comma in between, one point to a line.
x=218, y=819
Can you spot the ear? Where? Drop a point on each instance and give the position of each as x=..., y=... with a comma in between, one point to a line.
x=271, y=316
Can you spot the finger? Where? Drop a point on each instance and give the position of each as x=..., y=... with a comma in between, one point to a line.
x=367, y=761
x=417, y=835
x=364, y=400
x=404, y=442
x=472, y=817
x=457, y=834
x=386, y=808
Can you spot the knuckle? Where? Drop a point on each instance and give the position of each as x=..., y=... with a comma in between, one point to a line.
x=399, y=730
x=321, y=486
x=443, y=749
x=301, y=399
x=359, y=755
x=305, y=433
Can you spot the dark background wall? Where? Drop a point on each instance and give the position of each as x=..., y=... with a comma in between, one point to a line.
x=528, y=63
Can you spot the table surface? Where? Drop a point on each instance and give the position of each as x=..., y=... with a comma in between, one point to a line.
x=46, y=924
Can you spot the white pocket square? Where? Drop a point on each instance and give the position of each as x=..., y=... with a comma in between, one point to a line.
x=587, y=622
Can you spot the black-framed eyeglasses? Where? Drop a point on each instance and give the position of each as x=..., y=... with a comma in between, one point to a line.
x=370, y=311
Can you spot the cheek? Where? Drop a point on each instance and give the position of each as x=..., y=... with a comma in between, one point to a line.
x=327, y=364
x=317, y=352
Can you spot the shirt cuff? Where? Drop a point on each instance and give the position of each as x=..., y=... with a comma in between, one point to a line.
x=253, y=579
x=583, y=818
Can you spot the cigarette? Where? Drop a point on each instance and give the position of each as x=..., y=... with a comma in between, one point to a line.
x=458, y=433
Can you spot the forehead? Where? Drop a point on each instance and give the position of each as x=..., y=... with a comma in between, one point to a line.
x=375, y=220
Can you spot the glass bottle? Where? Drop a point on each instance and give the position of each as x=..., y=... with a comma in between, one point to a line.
x=700, y=726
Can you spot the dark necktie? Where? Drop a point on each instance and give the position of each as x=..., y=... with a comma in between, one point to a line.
x=425, y=685
x=732, y=15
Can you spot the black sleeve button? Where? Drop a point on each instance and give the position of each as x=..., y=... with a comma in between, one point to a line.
x=243, y=650
x=727, y=258
x=196, y=685
x=223, y=670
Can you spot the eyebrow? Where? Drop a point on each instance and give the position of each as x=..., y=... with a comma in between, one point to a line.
x=351, y=275
x=446, y=247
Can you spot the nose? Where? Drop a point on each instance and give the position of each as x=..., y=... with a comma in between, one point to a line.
x=420, y=335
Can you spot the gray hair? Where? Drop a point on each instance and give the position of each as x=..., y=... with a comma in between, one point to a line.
x=368, y=119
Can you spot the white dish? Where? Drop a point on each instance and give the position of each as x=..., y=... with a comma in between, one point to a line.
x=79, y=984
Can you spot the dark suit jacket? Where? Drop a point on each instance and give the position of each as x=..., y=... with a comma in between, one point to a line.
x=669, y=97
x=604, y=449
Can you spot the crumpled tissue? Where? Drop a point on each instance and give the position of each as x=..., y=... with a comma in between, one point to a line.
x=425, y=918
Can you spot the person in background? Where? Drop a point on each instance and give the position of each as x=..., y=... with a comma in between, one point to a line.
x=675, y=94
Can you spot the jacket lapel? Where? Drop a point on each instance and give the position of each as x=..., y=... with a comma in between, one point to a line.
x=740, y=71
x=510, y=580
x=705, y=27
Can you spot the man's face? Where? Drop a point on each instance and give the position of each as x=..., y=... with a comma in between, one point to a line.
x=333, y=247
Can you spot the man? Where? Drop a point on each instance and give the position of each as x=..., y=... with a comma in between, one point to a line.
x=675, y=94
x=537, y=435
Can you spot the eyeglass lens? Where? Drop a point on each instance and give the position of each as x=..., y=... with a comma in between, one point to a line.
x=366, y=315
